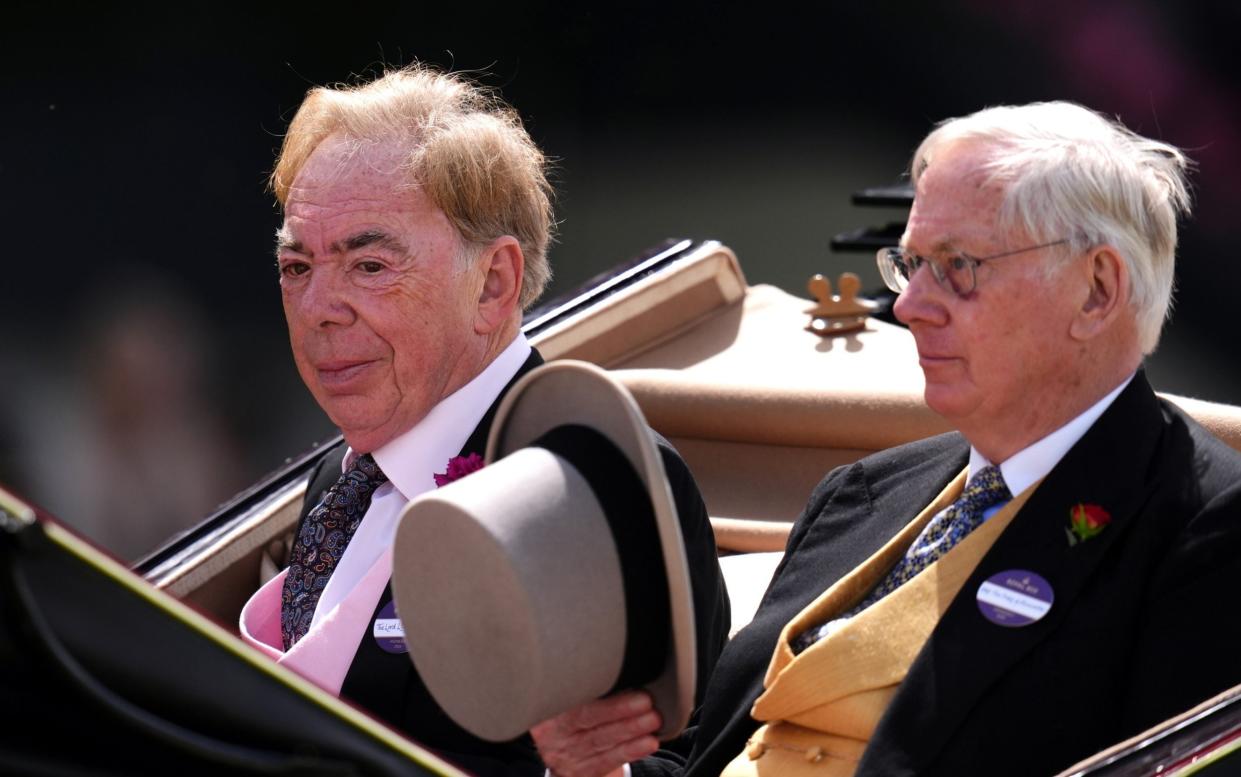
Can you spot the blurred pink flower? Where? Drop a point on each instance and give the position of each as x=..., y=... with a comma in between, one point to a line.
x=459, y=467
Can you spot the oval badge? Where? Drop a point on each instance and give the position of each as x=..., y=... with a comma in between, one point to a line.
x=1015, y=597
x=387, y=630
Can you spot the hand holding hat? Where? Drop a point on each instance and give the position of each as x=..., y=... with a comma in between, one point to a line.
x=599, y=737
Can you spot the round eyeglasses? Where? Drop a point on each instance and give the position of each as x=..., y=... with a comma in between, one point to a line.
x=957, y=274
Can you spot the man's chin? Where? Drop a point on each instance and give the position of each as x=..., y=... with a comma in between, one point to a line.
x=948, y=400
x=364, y=440
x=361, y=430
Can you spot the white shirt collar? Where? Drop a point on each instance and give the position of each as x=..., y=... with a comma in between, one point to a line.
x=410, y=460
x=1026, y=467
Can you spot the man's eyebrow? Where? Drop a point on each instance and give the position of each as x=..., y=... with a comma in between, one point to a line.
x=286, y=242
x=943, y=245
x=371, y=237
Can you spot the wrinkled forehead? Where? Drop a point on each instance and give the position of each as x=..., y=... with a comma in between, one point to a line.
x=354, y=191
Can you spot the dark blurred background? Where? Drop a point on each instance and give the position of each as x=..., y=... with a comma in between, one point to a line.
x=144, y=372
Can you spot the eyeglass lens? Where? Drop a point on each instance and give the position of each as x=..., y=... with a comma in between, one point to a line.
x=955, y=275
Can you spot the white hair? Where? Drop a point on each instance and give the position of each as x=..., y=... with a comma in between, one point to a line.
x=1070, y=173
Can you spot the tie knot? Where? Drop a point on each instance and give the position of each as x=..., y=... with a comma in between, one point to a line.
x=365, y=471
x=986, y=488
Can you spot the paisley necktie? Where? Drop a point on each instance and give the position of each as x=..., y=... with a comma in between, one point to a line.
x=322, y=541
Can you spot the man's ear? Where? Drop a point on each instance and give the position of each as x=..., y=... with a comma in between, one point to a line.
x=499, y=297
x=1107, y=292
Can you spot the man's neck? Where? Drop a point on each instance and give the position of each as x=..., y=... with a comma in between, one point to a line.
x=472, y=364
x=499, y=340
x=999, y=442
x=1030, y=464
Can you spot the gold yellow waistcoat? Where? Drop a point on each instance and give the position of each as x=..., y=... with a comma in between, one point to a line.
x=820, y=708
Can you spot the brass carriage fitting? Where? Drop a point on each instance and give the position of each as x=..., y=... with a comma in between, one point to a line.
x=837, y=314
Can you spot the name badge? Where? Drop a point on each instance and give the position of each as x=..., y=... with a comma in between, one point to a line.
x=388, y=632
x=1015, y=597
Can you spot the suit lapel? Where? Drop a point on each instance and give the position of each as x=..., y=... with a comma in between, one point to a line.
x=862, y=518
x=966, y=653
x=796, y=684
x=859, y=521
x=873, y=651
x=866, y=508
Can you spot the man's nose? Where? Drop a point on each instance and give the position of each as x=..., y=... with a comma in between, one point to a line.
x=325, y=301
x=922, y=300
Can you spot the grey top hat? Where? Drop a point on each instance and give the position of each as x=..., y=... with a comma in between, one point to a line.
x=556, y=574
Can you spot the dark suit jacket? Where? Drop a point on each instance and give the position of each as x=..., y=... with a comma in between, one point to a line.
x=1142, y=626
x=387, y=686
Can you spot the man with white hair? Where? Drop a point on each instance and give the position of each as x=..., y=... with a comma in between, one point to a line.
x=417, y=217
x=1045, y=581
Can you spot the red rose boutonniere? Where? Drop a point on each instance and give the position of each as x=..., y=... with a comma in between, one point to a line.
x=1086, y=521
x=459, y=467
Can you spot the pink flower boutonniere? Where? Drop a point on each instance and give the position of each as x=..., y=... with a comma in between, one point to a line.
x=1086, y=521
x=459, y=467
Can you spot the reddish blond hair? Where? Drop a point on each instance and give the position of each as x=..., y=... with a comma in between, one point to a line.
x=467, y=150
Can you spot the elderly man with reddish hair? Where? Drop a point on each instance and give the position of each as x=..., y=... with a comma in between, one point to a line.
x=417, y=218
